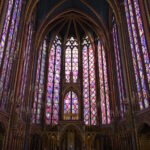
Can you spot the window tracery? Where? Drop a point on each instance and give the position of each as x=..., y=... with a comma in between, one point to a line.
x=118, y=65
x=104, y=87
x=71, y=106
x=71, y=102
x=89, y=85
x=39, y=85
x=8, y=43
x=53, y=84
x=140, y=56
x=71, y=60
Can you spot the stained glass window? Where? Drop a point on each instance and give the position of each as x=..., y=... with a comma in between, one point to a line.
x=26, y=63
x=39, y=85
x=71, y=60
x=140, y=55
x=8, y=43
x=53, y=83
x=71, y=106
x=5, y=28
x=118, y=67
x=89, y=85
x=104, y=88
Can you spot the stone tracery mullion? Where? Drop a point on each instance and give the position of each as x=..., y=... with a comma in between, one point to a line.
x=49, y=136
x=53, y=85
x=136, y=53
x=135, y=62
x=49, y=87
x=56, y=84
x=119, y=67
x=10, y=46
x=37, y=86
x=12, y=26
x=85, y=86
x=6, y=28
x=142, y=47
x=89, y=82
x=102, y=57
x=142, y=43
x=14, y=43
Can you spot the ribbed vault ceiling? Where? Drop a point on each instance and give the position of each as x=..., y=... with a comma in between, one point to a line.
x=73, y=24
x=71, y=17
x=87, y=6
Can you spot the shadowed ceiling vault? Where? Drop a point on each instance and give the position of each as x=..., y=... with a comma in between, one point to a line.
x=51, y=13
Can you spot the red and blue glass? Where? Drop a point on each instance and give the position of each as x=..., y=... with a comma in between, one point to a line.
x=71, y=106
x=8, y=43
x=89, y=85
x=104, y=87
x=143, y=40
x=86, y=86
x=5, y=28
x=39, y=85
x=118, y=68
x=71, y=60
x=138, y=54
x=53, y=83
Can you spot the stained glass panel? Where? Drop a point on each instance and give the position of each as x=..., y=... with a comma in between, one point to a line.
x=71, y=60
x=8, y=44
x=67, y=103
x=86, y=86
x=53, y=84
x=138, y=53
x=143, y=40
x=74, y=103
x=39, y=85
x=75, y=63
x=71, y=106
x=89, y=85
x=118, y=68
x=101, y=79
x=104, y=87
x=68, y=64
x=56, y=85
x=92, y=85
x=5, y=28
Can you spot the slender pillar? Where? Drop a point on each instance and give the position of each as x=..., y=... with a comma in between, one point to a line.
x=129, y=91
x=29, y=113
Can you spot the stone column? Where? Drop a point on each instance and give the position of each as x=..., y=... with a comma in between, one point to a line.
x=126, y=48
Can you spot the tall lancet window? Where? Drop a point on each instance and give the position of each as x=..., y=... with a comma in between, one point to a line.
x=39, y=85
x=89, y=85
x=104, y=87
x=118, y=65
x=139, y=50
x=71, y=106
x=26, y=64
x=53, y=83
x=8, y=43
x=71, y=60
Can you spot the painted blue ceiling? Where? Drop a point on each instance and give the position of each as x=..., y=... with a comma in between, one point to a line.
x=100, y=6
